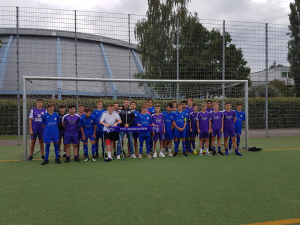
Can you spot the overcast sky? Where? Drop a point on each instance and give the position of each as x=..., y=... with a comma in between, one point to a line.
x=264, y=11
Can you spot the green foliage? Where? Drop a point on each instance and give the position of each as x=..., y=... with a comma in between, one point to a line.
x=274, y=65
x=280, y=85
x=283, y=112
x=200, y=52
x=294, y=44
x=260, y=91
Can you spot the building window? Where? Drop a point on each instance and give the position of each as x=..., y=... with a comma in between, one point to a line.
x=284, y=74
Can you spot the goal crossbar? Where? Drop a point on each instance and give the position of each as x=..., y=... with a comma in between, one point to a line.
x=28, y=78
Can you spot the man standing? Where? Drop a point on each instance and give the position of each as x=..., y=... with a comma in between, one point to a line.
x=127, y=117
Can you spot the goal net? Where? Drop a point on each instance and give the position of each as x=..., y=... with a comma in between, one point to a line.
x=85, y=91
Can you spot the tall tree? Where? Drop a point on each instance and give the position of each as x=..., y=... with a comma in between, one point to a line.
x=294, y=44
x=200, y=54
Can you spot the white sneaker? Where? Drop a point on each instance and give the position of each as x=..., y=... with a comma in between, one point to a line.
x=229, y=151
x=86, y=159
x=118, y=157
x=133, y=156
x=154, y=155
x=208, y=153
x=200, y=154
x=94, y=159
x=162, y=155
x=170, y=154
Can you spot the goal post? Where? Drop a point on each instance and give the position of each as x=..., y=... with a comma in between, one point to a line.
x=147, y=83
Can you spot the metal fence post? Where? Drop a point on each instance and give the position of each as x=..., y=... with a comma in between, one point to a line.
x=18, y=81
x=267, y=125
x=177, y=92
x=129, y=54
x=223, y=67
x=76, y=59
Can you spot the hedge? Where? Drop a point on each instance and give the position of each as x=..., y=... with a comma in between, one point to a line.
x=284, y=112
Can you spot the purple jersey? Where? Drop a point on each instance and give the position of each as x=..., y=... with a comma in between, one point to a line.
x=209, y=110
x=229, y=119
x=194, y=121
x=72, y=124
x=203, y=121
x=36, y=116
x=216, y=120
x=190, y=109
x=159, y=121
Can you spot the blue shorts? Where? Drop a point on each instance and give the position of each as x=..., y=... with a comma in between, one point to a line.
x=39, y=134
x=194, y=133
x=48, y=140
x=71, y=139
x=229, y=132
x=216, y=133
x=99, y=134
x=87, y=137
x=135, y=134
x=179, y=134
x=204, y=135
x=169, y=135
x=238, y=131
x=158, y=136
x=61, y=134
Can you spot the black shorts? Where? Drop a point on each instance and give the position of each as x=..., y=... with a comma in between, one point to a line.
x=113, y=136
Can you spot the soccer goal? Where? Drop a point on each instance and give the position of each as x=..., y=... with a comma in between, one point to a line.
x=85, y=91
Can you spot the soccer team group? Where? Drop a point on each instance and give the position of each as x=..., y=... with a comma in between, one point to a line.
x=180, y=121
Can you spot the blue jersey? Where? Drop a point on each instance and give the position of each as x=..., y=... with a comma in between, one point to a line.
x=168, y=120
x=240, y=117
x=51, y=122
x=98, y=113
x=144, y=120
x=180, y=118
x=187, y=116
x=151, y=110
x=88, y=124
x=135, y=122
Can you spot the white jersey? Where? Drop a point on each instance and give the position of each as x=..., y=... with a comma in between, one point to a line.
x=110, y=119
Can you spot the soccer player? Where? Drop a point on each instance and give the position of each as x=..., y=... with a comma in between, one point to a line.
x=61, y=129
x=216, y=127
x=193, y=120
x=151, y=109
x=99, y=133
x=108, y=119
x=50, y=121
x=144, y=119
x=209, y=109
x=88, y=127
x=169, y=128
x=80, y=114
x=229, y=120
x=203, y=128
x=180, y=131
x=71, y=123
x=36, y=129
x=174, y=106
x=187, y=127
x=135, y=122
x=115, y=135
x=190, y=105
x=238, y=125
x=158, y=120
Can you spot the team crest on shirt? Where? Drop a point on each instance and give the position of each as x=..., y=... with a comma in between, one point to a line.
x=55, y=119
x=91, y=121
x=147, y=118
x=42, y=113
x=241, y=115
x=39, y=115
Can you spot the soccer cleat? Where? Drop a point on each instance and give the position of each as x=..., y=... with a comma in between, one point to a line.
x=191, y=151
x=45, y=162
x=170, y=154
x=238, y=153
x=175, y=154
x=108, y=159
x=97, y=155
x=214, y=153
x=76, y=159
x=64, y=156
x=184, y=154
x=149, y=156
x=195, y=153
x=59, y=156
x=57, y=161
x=86, y=159
x=140, y=156
x=220, y=153
x=204, y=152
x=42, y=157
x=208, y=153
x=118, y=157
x=133, y=156
x=30, y=158
x=200, y=154
x=162, y=155
x=226, y=153
x=154, y=155
x=67, y=160
x=229, y=151
x=94, y=158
